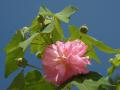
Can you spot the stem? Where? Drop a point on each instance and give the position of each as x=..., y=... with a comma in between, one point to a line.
x=34, y=67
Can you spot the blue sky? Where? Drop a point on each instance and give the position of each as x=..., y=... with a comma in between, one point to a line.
x=101, y=16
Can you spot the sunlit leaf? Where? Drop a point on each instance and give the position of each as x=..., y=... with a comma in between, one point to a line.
x=14, y=43
x=11, y=61
x=65, y=14
x=13, y=52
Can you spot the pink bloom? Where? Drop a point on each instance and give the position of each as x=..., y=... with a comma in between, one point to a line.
x=63, y=60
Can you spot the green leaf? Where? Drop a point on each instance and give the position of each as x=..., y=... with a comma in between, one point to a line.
x=27, y=42
x=92, y=54
x=115, y=64
x=18, y=83
x=105, y=48
x=44, y=11
x=80, y=79
x=13, y=52
x=59, y=30
x=33, y=76
x=100, y=45
x=36, y=26
x=11, y=61
x=90, y=84
x=14, y=43
x=39, y=43
x=35, y=81
x=65, y=14
x=74, y=32
x=41, y=85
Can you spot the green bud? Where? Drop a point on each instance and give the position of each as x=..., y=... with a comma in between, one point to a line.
x=21, y=62
x=84, y=29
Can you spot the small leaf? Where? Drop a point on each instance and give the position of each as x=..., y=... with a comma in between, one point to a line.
x=18, y=83
x=65, y=14
x=115, y=64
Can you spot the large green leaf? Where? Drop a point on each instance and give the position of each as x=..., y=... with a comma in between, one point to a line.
x=13, y=52
x=35, y=81
x=11, y=61
x=18, y=83
x=14, y=43
x=65, y=14
x=115, y=64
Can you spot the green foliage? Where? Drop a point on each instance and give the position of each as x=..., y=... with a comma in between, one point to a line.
x=33, y=80
x=45, y=30
x=90, y=84
x=90, y=81
x=115, y=64
x=14, y=43
x=13, y=53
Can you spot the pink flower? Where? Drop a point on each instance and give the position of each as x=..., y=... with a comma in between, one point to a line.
x=63, y=60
